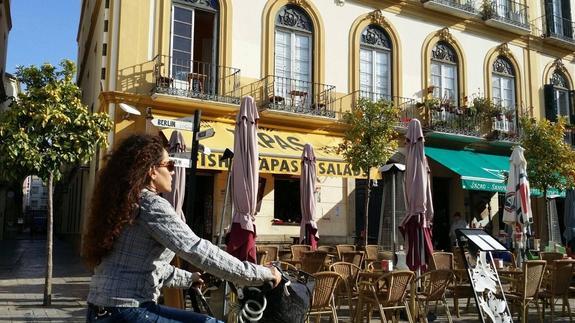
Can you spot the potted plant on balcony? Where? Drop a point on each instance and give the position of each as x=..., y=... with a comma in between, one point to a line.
x=487, y=9
x=509, y=114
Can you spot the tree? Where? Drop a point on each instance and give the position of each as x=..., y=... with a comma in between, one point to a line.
x=550, y=160
x=46, y=129
x=370, y=139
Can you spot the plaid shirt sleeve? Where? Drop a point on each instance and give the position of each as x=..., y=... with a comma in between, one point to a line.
x=164, y=225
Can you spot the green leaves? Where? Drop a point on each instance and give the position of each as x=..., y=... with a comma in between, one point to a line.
x=48, y=126
x=370, y=139
x=550, y=160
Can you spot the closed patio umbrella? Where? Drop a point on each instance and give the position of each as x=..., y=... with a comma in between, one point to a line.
x=517, y=209
x=244, y=179
x=308, y=228
x=415, y=226
x=176, y=144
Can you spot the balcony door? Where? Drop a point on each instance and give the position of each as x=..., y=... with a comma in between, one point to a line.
x=194, y=46
x=293, y=56
x=375, y=64
x=558, y=16
x=444, y=73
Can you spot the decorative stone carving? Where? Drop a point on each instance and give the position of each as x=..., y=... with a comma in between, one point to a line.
x=301, y=3
x=445, y=35
x=202, y=3
x=377, y=18
x=504, y=50
x=558, y=79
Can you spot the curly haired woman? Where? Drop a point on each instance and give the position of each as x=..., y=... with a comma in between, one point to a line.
x=133, y=234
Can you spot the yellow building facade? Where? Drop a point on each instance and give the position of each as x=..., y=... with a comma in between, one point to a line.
x=306, y=62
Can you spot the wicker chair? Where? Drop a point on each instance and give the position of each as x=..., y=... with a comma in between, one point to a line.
x=313, y=261
x=297, y=252
x=550, y=255
x=528, y=288
x=261, y=257
x=272, y=252
x=387, y=293
x=434, y=284
x=349, y=273
x=328, y=249
x=442, y=260
x=287, y=266
x=354, y=257
x=323, y=301
x=344, y=248
x=371, y=253
x=557, y=287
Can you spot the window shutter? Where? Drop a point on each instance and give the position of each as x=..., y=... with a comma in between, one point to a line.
x=566, y=14
x=550, y=103
x=549, y=16
x=572, y=107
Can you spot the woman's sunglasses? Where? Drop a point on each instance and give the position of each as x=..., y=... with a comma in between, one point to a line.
x=170, y=165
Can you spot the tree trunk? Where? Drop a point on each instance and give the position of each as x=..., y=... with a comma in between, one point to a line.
x=49, y=243
x=367, y=193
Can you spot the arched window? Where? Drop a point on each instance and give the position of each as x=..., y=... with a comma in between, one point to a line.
x=561, y=94
x=503, y=83
x=293, y=54
x=444, y=73
x=375, y=63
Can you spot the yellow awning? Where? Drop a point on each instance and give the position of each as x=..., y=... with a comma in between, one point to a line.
x=280, y=151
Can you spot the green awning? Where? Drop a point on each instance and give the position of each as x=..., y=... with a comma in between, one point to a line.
x=479, y=172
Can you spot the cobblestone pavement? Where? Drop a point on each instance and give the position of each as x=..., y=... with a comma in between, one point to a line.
x=22, y=271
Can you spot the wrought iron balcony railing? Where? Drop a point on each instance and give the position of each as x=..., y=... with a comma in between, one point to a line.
x=495, y=124
x=507, y=11
x=194, y=79
x=291, y=95
x=555, y=27
x=407, y=106
x=466, y=6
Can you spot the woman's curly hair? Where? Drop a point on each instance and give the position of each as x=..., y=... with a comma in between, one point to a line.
x=116, y=195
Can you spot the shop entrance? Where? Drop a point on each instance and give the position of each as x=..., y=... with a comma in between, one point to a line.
x=374, y=210
x=441, y=218
x=202, y=218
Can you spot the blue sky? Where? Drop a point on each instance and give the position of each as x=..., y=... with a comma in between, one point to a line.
x=42, y=31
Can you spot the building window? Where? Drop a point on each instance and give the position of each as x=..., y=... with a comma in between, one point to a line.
x=34, y=190
x=193, y=39
x=561, y=95
x=444, y=73
x=34, y=204
x=375, y=63
x=286, y=201
x=558, y=14
x=293, y=54
x=503, y=83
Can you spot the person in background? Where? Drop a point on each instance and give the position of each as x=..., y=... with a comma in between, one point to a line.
x=133, y=233
x=457, y=223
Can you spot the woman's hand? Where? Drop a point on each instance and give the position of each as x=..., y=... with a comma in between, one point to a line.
x=277, y=275
x=197, y=279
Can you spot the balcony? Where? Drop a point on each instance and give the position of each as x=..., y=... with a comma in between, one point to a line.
x=406, y=105
x=466, y=9
x=292, y=96
x=195, y=80
x=555, y=30
x=481, y=119
x=508, y=15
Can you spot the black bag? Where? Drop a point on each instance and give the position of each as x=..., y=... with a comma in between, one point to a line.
x=292, y=308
